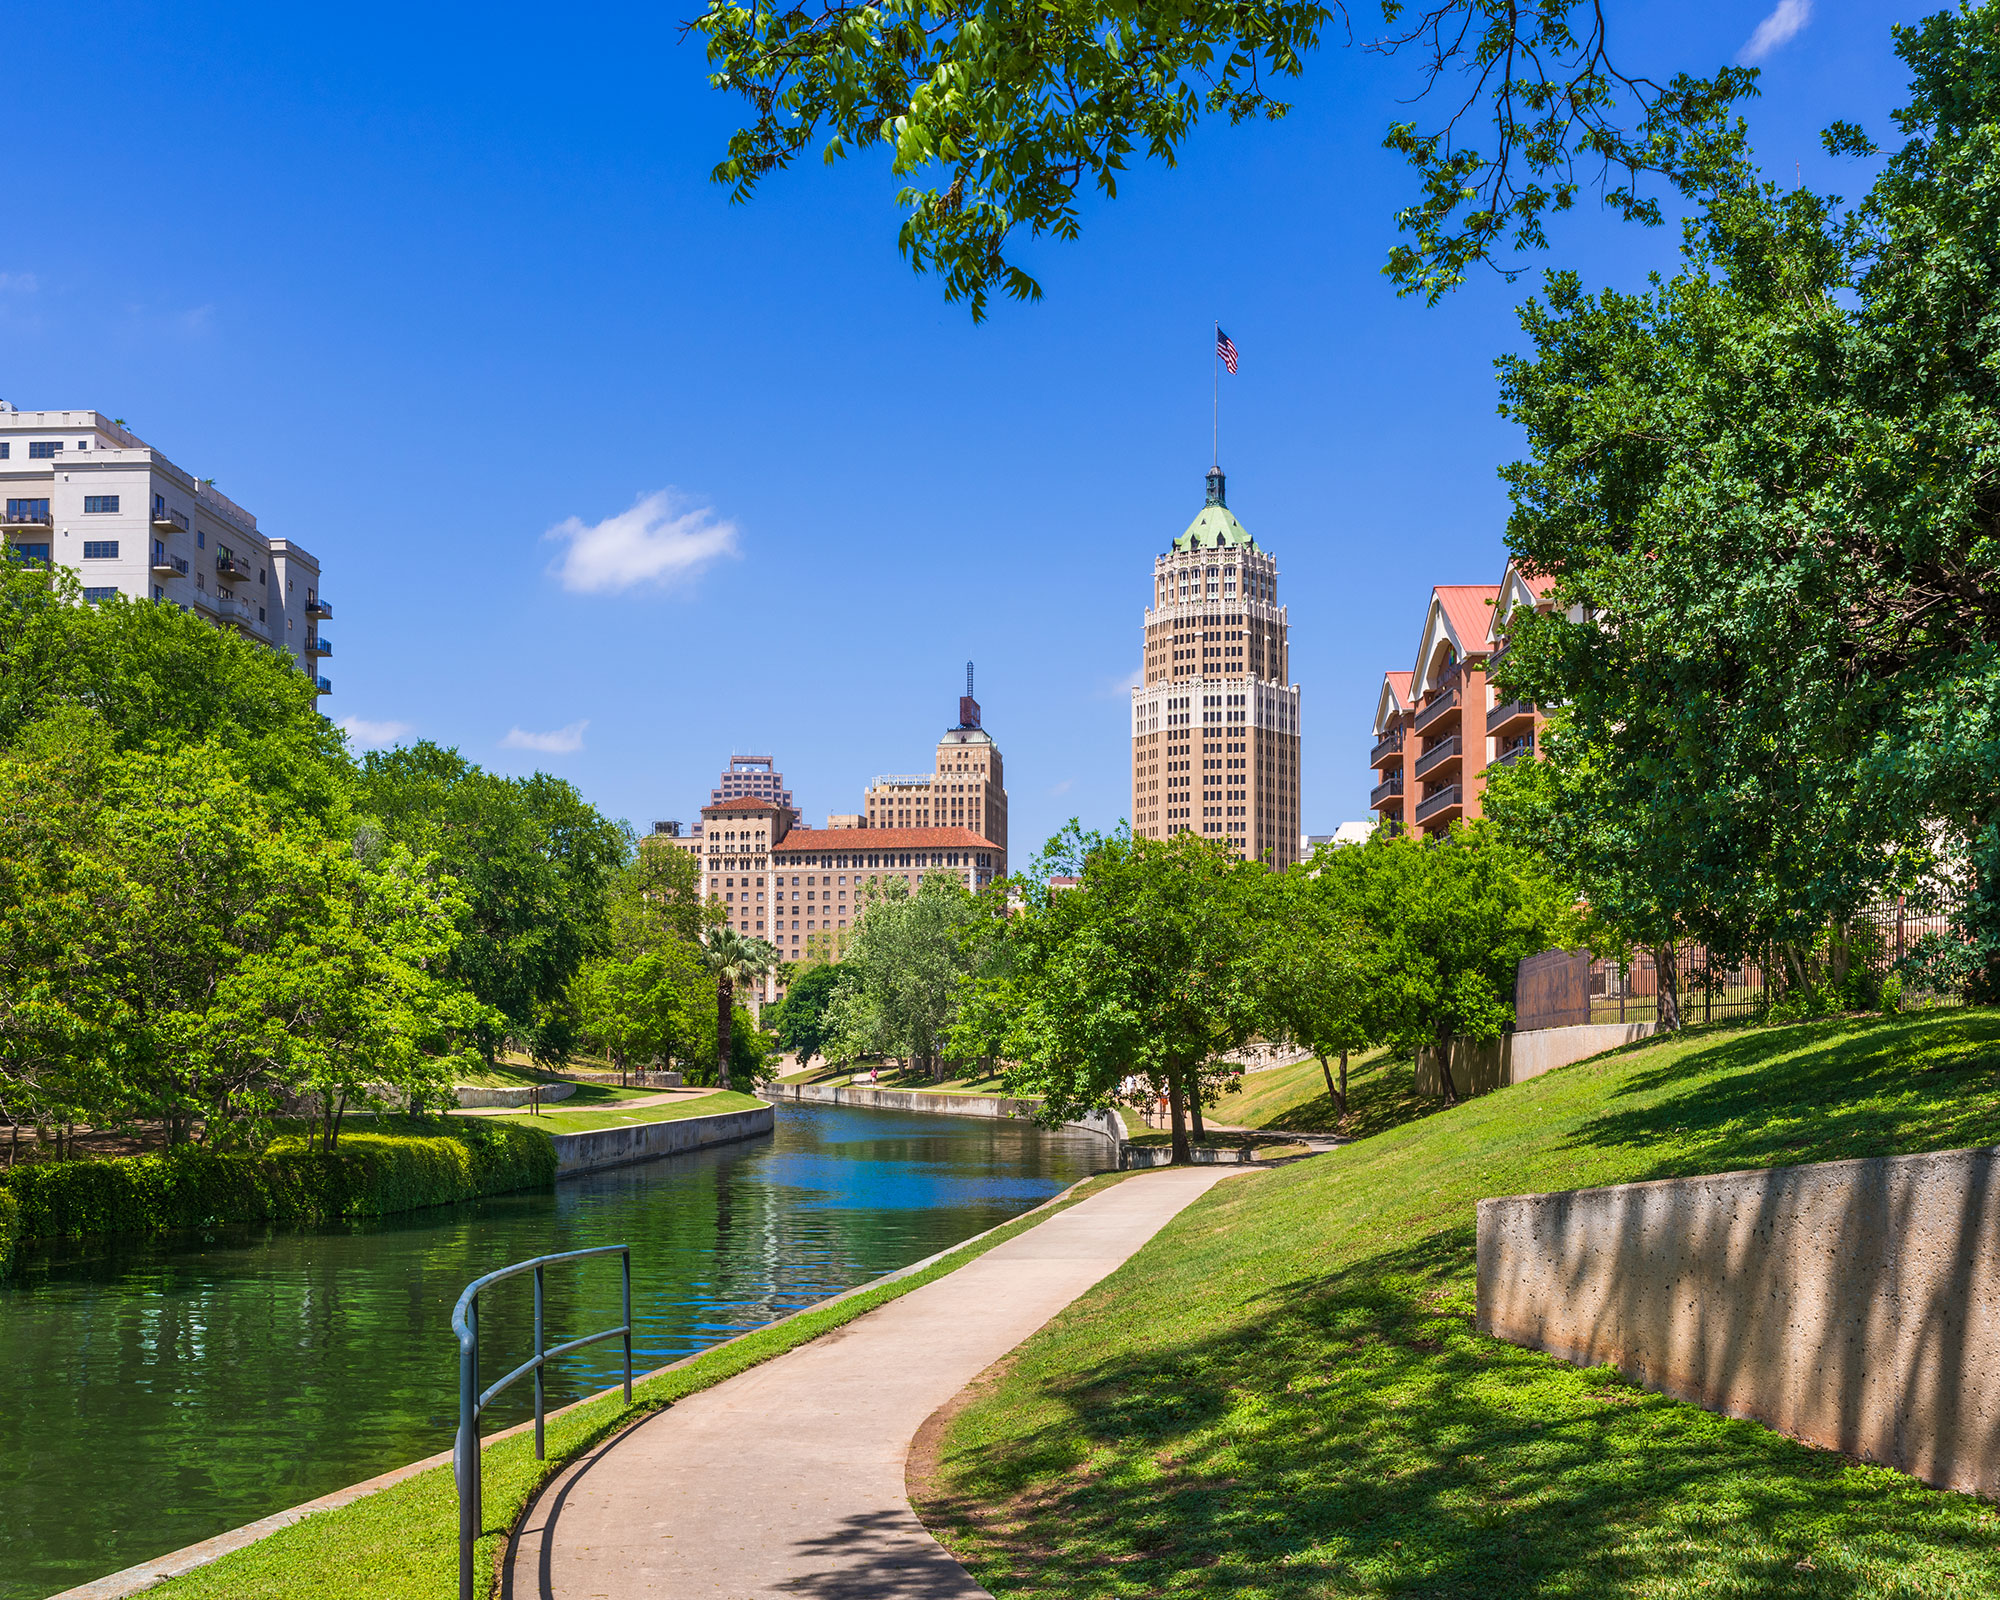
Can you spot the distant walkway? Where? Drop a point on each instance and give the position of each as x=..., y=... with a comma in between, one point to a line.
x=637, y=1102
x=787, y=1480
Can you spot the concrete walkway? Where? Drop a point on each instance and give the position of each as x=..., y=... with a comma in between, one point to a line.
x=787, y=1480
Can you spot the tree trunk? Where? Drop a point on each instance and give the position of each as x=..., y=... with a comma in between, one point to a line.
x=725, y=993
x=1443, y=1048
x=1667, y=984
x=1182, y=1155
x=1332, y=1093
x=1194, y=1106
x=339, y=1112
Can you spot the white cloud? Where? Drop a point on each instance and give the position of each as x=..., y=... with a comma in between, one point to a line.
x=1063, y=787
x=559, y=742
x=1786, y=21
x=373, y=735
x=18, y=283
x=659, y=542
x=196, y=319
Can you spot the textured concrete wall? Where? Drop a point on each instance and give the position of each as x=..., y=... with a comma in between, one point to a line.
x=1851, y=1304
x=1105, y=1124
x=648, y=1141
x=1516, y=1057
x=472, y=1094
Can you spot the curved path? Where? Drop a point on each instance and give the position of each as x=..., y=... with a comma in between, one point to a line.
x=788, y=1479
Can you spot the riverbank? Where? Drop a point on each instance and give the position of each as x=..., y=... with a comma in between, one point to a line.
x=405, y=1165
x=1309, y=1409
x=1105, y=1124
x=399, y=1541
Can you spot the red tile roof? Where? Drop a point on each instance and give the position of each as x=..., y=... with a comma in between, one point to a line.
x=1399, y=686
x=850, y=840
x=743, y=802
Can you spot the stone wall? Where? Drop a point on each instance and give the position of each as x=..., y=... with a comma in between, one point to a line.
x=602, y=1148
x=1851, y=1304
x=1105, y=1124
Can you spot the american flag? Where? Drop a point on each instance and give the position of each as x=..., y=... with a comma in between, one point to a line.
x=1226, y=350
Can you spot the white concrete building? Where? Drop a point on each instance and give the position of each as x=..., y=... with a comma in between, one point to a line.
x=77, y=489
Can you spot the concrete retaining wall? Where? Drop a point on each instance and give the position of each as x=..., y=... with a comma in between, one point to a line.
x=648, y=1141
x=1105, y=1124
x=472, y=1094
x=634, y=1080
x=1133, y=1157
x=1480, y=1068
x=1851, y=1304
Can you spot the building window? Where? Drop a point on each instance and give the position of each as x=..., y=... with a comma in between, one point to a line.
x=6, y=450
x=95, y=503
x=28, y=552
x=44, y=449
x=100, y=549
x=94, y=596
x=200, y=540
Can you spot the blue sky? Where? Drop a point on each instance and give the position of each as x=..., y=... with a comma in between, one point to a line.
x=612, y=477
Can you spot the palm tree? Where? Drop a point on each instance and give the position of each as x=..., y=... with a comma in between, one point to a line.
x=733, y=958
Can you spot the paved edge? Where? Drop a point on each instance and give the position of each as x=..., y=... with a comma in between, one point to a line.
x=525, y=1537
x=178, y=1563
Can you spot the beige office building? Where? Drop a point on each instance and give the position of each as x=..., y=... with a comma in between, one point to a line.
x=967, y=787
x=1215, y=725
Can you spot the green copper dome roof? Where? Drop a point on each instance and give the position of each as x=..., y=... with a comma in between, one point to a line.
x=1214, y=529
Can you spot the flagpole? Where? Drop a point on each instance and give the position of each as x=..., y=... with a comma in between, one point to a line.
x=1215, y=400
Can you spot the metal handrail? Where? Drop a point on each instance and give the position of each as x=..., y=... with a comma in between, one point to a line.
x=472, y=1402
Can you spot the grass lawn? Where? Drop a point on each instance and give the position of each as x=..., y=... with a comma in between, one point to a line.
x=402, y=1544
x=559, y=1118
x=899, y=1079
x=507, y=1076
x=1282, y=1394
x=1381, y=1094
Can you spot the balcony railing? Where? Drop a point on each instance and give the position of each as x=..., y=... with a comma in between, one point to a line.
x=232, y=567
x=319, y=609
x=320, y=646
x=323, y=686
x=1439, y=753
x=163, y=518
x=1443, y=800
x=1500, y=716
x=1390, y=744
x=1385, y=791
x=1515, y=752
x=1438, y=705
x=27, y=514
x=169, y=566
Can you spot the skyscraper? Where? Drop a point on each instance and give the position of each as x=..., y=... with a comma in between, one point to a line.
x=968, y=788
x=1215, y=726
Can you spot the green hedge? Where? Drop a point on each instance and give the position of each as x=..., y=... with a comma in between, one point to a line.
x=10, y=1211
x=368, y=1175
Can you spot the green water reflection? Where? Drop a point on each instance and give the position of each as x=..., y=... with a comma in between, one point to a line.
x=155, y=1396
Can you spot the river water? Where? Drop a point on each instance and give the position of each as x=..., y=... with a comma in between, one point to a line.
x=155, y=1395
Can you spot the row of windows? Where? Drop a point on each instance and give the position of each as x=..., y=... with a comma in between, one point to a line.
x=94, y=503
x=100, y=549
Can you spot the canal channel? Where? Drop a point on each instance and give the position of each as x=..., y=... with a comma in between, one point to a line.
x=157, y=1394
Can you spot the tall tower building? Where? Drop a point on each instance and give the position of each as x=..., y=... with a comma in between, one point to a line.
x=966, y=789
x=1215, y=725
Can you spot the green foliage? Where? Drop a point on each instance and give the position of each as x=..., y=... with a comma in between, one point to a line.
x=1144, y=970
x=10, y=1228
x=369, y=1174
x=1283, y=1395
x=799, y=1021
x=651, y=1007
x=904, y=968
x=1002, y=116
x=533, y=863
x=734, y=958
x=1764, y=491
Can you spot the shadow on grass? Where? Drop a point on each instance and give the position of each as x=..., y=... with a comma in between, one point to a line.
x=1359, y=1437
x=1845, y=1088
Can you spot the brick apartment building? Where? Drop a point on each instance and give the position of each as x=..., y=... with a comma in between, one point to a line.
x=1440, y=727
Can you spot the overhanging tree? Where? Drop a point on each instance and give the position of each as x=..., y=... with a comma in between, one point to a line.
x=999, y=117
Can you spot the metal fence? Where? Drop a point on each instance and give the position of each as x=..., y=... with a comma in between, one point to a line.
x=1884, y=941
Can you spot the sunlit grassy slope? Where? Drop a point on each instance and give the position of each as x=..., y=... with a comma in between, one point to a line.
x=1283, y=1396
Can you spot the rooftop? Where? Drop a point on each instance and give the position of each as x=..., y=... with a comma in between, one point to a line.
x=850, y=840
